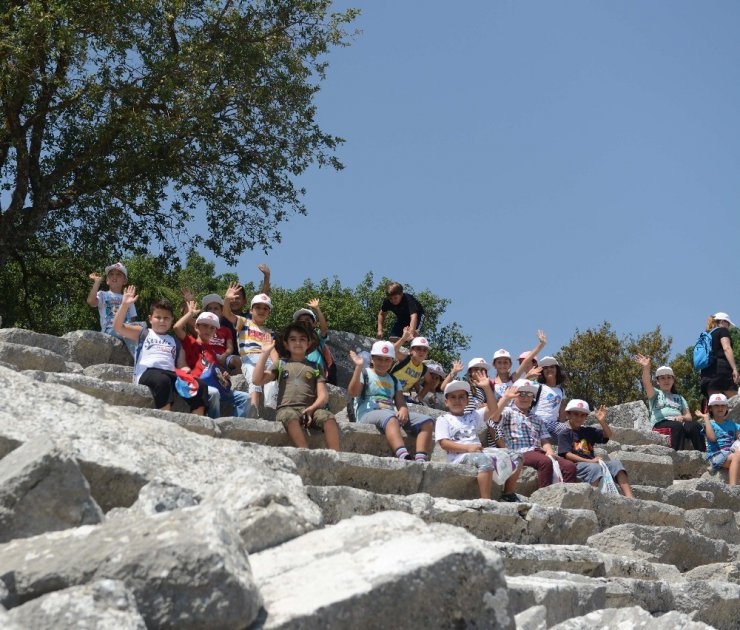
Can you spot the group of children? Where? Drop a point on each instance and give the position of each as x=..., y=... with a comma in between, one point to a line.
x=519, y=413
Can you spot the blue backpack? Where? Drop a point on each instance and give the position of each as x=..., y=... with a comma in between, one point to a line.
x=703, y=351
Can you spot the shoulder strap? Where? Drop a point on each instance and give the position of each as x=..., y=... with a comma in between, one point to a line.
x=537, y=396
x=400, y=365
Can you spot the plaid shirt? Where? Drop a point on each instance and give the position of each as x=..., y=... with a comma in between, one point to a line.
x=522, y=432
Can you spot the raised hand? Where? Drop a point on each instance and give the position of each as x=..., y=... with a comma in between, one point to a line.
x=357, y=360
x=511, y=393
x=95, y=277
x=264, y=269
x=457, y=367
x=233, y=290
x=129, y=295
x=480, y=379
x=642, y=360
x=193, y=308
x=187, y=294
x=542, y=337
x=601, y=413
x=408, y=334
x=700, y=414
x=268, y=346
x=314, y=303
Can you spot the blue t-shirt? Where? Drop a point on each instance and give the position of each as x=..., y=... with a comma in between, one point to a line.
x=379, y=393
x=725, y=433
x=317, y=354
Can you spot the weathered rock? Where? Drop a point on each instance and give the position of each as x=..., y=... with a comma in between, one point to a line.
x=624, y=435
x=113, y=393
x=101, y=605
x=42, y=490
x=32, y=339
x=719, y=524
x=88, y=347
x=162, y=496
x=631, y=415
x=337, y=398
x=725, y=497
x=683, y=548
x=110, y=372
x=562, y=594
x=202, y=425
x=185, y=567
x=6, y=623
x=715, y=603
x=733, y=412
x=632, y=617
x=370, y=564
x=341, y=343
x=689, y=464
x=644, y=469
x=119, y=453
x=677, y=495
x=30, y=358
x=533, y=618
x=721, y=571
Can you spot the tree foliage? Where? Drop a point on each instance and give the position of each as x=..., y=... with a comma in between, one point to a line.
x=600, y=367
x=121, y=120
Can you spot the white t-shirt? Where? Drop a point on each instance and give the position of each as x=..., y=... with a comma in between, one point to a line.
x=108, y=305
x=548, y=406
x=463, y=429
x=157, y=351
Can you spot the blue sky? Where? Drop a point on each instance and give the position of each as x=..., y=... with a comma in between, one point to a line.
x=542, y=164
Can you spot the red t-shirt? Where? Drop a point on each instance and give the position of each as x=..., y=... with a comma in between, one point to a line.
x=198, y=356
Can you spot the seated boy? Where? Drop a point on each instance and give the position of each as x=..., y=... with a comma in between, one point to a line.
x=302, y=393
x=158, y=356
x=525, y=433
x=577, y=445
x=411, y=371
x=252, y=334
x=457, y=433
x=407, y=309
x=208, y=361
x=239, y=301
x=108, y=302
x=379, y=401
x=223, y=339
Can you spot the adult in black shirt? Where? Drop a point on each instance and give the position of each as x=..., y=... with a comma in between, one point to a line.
x=721, y=377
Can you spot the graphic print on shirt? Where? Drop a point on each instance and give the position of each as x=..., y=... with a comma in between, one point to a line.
x=582, y=447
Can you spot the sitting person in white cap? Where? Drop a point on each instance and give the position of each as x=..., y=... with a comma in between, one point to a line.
x=577, y=445
x=722, y=434
x=213, y=303
x=668, y=409
x=379, y=401
x=721, y=375
x=457, y=433
x=502, y=364
x=525, y=433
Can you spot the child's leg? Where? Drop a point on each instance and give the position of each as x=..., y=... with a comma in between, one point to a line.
x=214, y=403
x=732, y=463
x=290, y=417
x=162, y=386
x=510, y=483
x=331, y=434
x=394, y=437
x=621, y=480
x=254, y=390
x=485, y=483
x=424, y=441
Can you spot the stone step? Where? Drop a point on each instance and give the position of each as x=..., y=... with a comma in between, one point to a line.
x=111, y=392
x=488, y=520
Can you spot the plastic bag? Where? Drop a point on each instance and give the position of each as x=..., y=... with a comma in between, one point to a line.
x=735, y=448
x=607, y=485
x=557, y=475
x=504, y=461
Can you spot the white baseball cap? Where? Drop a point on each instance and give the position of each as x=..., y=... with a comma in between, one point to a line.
x=383, y=349
x=117, y=266
x=524, y=355
x=719, y=316
x=261, y=298
x=457, y=386
x=578, y=405
x=419, y=342
x=501, y=354
x=717, y=399
x=524, y=385
x=664, y=370
x=478, y=362
x=211, y=298
x=208, y=318
x=304, y=311
x=436, y=368
x=547, y=361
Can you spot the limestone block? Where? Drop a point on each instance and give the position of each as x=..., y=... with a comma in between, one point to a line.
x=631, y=415
x=24, y=337
x=631, y=617
x=371, y=564
x=725, y=497
x=562, y=594
x=113, y=393
x=625, y=435
x=43, y=490
x=553, y=525
x=715, y=603
x=101, y=605
x=30, y=358
x=533, y=618
x=337, y=398
x=162, y=496
x=721, y=571
x=71, y=367
x=733, y=412
x=652, y=595
x=683, y=548
x=110, y=372
x=647, y=470
x=6, y=623
x=185, y=567
x=714, y=524
x=341, y=343
x=677, y=495
x=689, y=464
x=119, y=452
x=202, y=425
x=88, y=347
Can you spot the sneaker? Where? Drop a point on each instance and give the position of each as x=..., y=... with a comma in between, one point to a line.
x=510, y=497
x=407, y=458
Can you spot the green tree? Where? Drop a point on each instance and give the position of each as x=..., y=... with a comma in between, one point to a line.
x=599, y=366
x=121, y=120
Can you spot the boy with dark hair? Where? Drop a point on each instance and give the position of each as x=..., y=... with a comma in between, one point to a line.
x=302, y=393
x=158, y=354
x=407, y=309
x=319, y=353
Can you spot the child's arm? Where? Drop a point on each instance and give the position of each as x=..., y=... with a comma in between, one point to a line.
x=510, y=394
x=354, y=387
x=401, y=408
x=119, y=322
x=708, y=430
x=92, y=297
x=323, y=328
x=646, y=382
x=265, y=278
x=230, y=294
x=600, y=414
x=322, y=397
x=406, y=336
x=260, y=376
x=578, y=459
x=457, y=367
x=527, y=363
x=482, y=382
x=381, y=324
x=456, y=447
x=413, y=322
x=181, y=326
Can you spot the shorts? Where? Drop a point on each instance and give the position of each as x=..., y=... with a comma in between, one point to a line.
x=481, y=461
x=286, y=415
x=380, y=418
x=591, y=473
x=718, y=459
x=397, y=328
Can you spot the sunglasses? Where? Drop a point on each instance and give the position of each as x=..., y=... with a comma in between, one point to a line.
x=525, y=395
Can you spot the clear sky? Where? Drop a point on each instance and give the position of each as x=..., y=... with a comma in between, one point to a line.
x=542, y=164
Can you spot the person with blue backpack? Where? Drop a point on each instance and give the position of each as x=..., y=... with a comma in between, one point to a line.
x=713, y=355
x=668, y=409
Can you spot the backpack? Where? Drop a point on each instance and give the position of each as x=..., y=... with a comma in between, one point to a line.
x=703, y=351
x=353, y=404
